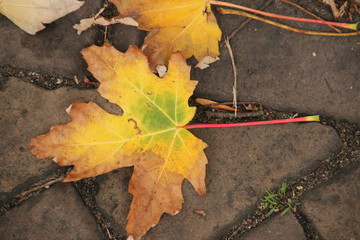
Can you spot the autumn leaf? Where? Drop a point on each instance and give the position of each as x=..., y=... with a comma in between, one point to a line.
x=31, y=15
x=188, y=26
x=147, y=136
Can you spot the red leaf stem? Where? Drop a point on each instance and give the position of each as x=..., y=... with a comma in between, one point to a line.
x=243, y=124
x=352, y=26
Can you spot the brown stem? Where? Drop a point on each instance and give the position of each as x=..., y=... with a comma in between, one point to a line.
x=352, y=26
x=241, y=13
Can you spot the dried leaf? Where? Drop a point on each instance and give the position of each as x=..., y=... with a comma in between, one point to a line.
x=188, y=26
x=206, y=61
x=87, y=23
x=31, y=15
x=354, y=7
x=147, y=136
x=337, y=12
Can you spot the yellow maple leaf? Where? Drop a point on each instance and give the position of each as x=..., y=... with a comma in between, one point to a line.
x=147, y=136
x=188, y=26
x=31, y=15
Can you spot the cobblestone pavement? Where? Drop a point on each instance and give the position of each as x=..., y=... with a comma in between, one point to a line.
x=292, y=73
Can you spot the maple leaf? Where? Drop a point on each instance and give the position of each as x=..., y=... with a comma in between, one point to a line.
x=188, y=26
x=147, y=136
x=30, y=15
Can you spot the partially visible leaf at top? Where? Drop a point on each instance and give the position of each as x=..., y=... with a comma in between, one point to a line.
x=31, y=15
x=188, y=26
x=147, y=136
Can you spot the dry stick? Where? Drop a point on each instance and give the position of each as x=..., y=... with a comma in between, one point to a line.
x=310, y=13
x=213, y=104
x=234, y=91
x=241, y=13
x=352, y=26
x=245, y=22
x=24, y=195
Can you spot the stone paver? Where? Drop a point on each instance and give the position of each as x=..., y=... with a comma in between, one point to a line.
x=277, y=228
x=55, y=50
x=243, y=163
x=56, y=214
x=26, y=112
x=287, y=76
x=283, y=70
x=334, y=208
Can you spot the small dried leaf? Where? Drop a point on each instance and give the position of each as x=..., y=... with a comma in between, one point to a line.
x=87, y=23
x=206, y=61
x=337, y=12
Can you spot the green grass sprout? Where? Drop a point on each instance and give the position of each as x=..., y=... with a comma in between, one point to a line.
x=276, y=201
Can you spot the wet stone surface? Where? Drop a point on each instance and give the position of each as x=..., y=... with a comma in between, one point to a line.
x=57, y=213
x=333, y=207
x=133, y=35
x=243, y=163
x=277, y=228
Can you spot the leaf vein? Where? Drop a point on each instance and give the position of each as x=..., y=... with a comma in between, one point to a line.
x=144, y=94
x=168, y=155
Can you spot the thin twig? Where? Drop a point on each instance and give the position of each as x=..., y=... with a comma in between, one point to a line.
x=214, y=105
x=234, y=91
x=310, y=13
x=26, y=194
x=244, y=23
